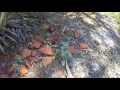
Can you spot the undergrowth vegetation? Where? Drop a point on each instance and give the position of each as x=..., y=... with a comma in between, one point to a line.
x=115, y=15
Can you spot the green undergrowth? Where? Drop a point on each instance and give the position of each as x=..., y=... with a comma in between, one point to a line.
x=115, y=15
x=118, y=27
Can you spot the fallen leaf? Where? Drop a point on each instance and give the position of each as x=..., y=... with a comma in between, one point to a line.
x=37, y=44
x=47, y=60
x=34, y=52
x=83, y=46
x=26, y=53
x=46, y=50
x=23, y=70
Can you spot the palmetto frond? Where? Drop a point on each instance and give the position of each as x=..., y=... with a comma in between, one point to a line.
x=3, y=19
x=7, y=37
x=15, y=32
x=1, y=48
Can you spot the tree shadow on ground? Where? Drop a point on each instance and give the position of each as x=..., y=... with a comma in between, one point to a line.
x=104, y=45
x=103, y=42
x=109, y=39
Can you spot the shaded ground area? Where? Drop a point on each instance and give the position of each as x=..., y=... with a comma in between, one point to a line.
x=90, y=46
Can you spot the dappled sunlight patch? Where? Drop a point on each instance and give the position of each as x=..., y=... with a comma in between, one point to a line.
x=108, y=38
x=103, y=60
x=80, y=71
x=113, y=70
x=88, y=20
x=102, y=38
x=93, y=15
x=71, y=15
x=117, y=27
x=109, y=42
x=94, y=53
x=96, y=37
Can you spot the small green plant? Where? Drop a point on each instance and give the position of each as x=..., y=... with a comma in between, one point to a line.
x=118, y=27
x=65, y=52
x=19, y=61
x=58, y=56
x=115, y=15
x=93, y=15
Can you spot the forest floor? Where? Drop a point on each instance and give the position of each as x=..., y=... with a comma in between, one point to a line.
x=64, y=45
